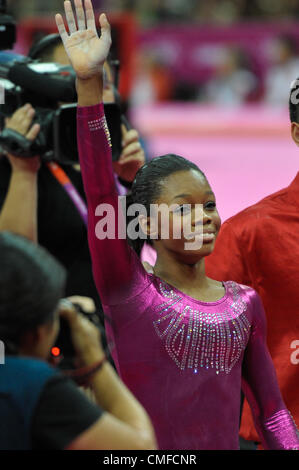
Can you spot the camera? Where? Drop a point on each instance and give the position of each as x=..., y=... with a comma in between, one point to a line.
x=51, y=90
x=63, y=354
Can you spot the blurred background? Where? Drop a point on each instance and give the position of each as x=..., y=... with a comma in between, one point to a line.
x=206, y=79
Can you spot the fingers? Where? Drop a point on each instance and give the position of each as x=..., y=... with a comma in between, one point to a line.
x=61, y=28
x=70, y=17
x=129, y=136
x=86, y=303
x=131, y=150
x=80, y=14
x=90, y=19
x=21, y=120
x=67, y=310
x=33, y=133
x=105, y=29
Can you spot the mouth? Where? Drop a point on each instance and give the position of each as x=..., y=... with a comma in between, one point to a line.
x=206, y=236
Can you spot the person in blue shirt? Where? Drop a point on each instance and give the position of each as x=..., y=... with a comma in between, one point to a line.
x=40, y=406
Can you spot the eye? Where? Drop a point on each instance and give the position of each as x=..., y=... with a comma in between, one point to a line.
x=184, y=209
x=211, y=205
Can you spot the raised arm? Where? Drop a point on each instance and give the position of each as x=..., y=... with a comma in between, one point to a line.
x=273, y=421
x=118, y=273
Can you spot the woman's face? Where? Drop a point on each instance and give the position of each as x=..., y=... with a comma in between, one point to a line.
x=190, y=208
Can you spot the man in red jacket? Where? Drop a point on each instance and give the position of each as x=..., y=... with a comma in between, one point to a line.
x=259, y=247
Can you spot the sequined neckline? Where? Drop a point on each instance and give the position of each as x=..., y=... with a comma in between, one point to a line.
x=181, y=293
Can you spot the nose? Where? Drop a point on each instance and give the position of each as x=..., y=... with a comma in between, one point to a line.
x=200, y=216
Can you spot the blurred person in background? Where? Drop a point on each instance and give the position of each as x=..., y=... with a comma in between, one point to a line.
x=41, y=408
x=259, y=247
x=233, y=82
x=153, y=82
x=283, y=69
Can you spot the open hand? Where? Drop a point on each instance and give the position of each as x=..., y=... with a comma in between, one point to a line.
x=86, y=51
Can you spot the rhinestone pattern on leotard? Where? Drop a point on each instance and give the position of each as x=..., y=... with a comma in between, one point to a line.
x=200, y=339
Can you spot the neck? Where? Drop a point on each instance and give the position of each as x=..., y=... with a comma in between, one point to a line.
x=179, y=272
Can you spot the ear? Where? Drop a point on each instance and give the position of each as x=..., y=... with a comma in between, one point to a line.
x=295, y=132
x=29, y=341
x=148, y=226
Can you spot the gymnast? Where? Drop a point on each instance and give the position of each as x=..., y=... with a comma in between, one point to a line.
x=184, y=343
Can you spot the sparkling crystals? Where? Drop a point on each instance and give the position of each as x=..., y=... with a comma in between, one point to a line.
x=203, y=339
x=98, y=124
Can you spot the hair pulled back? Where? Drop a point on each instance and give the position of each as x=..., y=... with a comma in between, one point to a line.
x=147, y=186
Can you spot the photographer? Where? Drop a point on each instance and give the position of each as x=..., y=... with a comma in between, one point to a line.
x=40, y=407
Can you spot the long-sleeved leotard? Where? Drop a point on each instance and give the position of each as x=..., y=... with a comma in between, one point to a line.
x=183, y=359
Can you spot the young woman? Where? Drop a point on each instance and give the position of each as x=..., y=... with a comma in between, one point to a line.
x=183, y=342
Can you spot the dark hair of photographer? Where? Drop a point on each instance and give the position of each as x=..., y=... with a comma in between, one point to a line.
x=40, y=407
x=31, y=284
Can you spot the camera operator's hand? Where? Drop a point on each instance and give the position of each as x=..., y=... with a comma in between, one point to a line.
x=21, y=197
x=132, y=157
x=21, y=122
x=86, y=337
x=86, y=51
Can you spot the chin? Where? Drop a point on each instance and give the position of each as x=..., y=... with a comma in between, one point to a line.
x=194, y=256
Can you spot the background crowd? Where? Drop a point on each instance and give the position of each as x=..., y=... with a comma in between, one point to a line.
x=250, y=46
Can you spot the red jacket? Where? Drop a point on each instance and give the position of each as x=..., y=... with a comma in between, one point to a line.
x=259, y=247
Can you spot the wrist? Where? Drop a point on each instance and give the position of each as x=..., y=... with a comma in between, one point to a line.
x=92, y=356
x=22, y=172
x=84, y=376
x=89, y=90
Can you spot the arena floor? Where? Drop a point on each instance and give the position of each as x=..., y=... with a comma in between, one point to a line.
x=246, y=153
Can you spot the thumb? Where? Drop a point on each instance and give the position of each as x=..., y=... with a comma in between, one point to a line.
x=105, y=29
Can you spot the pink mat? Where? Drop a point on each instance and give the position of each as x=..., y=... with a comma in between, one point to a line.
x=245, y=153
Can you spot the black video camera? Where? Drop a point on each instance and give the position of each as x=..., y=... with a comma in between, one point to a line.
x=46, y=86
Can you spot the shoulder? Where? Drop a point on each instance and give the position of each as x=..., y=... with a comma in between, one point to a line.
x=28, y=364
x=242, y=293
x=28, y=373
x=246, y=299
